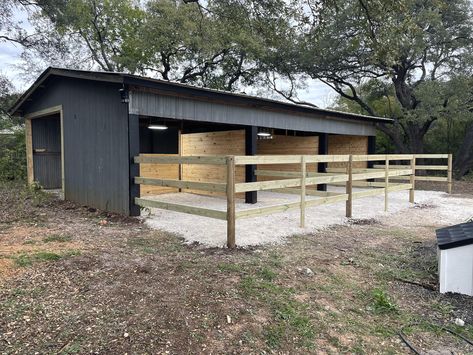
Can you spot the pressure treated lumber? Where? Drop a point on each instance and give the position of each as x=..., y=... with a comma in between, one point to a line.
x=211, y=160
x=412, y=180
x=386, y=182
x=205, y=186
x=303, y=182
x=199, y=211
x=449, y=173
x=349, y=189
x=231, y=243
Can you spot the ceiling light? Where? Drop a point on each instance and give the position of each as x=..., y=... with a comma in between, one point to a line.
x=264, y=134
x=159, y=127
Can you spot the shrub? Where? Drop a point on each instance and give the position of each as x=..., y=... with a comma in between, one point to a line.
x=12, y=154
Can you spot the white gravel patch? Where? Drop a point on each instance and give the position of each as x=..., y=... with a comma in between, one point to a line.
x=275, y=228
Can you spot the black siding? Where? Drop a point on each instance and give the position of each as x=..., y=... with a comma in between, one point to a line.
x=96, y=155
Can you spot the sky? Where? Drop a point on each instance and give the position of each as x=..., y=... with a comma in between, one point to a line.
x=10, y=57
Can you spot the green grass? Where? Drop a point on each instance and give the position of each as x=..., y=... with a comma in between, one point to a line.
x=382, y=302
x=228, y=267
x=290, y=319
x=26, y=260
x=57, y=238
x=145, y=245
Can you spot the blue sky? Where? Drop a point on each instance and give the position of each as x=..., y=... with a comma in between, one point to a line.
x=316, y=92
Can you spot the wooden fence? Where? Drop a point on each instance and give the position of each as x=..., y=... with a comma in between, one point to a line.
x=386, y=176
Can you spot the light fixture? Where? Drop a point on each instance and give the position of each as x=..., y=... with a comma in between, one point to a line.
x=264, y=133
x=159, y=127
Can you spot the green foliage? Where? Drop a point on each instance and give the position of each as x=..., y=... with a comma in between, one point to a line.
x=57, y=238
x=12, y=137
x=12, y=154
x=382, y=303
x=25, y=260
x=403, y=59
x=290, y=318
x=222, y=45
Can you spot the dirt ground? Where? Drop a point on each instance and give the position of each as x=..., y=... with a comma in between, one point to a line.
x=75, y=280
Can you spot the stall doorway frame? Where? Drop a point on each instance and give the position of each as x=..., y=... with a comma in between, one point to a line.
x=29, y=141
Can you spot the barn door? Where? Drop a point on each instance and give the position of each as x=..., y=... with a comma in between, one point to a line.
x=46, y=140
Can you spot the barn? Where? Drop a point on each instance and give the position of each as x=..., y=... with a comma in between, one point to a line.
x=84, y=128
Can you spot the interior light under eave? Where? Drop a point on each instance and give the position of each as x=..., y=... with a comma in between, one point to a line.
x=264, y=134
x=159, y=127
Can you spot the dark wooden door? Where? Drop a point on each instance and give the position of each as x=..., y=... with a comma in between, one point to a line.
x=46, y=134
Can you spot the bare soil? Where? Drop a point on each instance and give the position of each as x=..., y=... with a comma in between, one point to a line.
x=75, y=280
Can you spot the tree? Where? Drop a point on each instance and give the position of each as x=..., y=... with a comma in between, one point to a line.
x=416, y=46
x=224, y=44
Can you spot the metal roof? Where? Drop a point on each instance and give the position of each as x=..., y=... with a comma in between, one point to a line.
x=198, y=93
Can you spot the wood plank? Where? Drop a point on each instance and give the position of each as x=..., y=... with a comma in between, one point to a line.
x=346, y=144
x=399, y=172
x=220, y=143
x=382, y=157
x=303, y=188
x=399, y=187
x=29, y=151
x=262, y=211
x=199, y=211
x=162, y=159
x=422, y=178
x=288, y=159
x=349, y=189
x=297, y=191
x=266, y=185
x=276, y=173
x=343, y=170
x=231, y=217
x=418, y=167
x=431, y=156
x=326, y=179
x=366, y=193
x=449, y=173
x=327, y=200
x=361, y=184
x=386, y=182
x=206, y=186
x=373, y=175
x=412, y=180
x=159, y=171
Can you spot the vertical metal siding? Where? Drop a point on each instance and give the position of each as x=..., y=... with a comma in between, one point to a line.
x=150, y=104
x=96, y=164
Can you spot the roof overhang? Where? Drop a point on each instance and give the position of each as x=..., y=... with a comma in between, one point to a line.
x=183, y=90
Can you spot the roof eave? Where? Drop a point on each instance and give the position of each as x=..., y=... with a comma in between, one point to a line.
x=109, y=77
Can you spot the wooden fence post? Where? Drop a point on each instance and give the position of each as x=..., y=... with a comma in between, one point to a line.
x=349, y=187
x=231, y=202
x=303, y=176
x=449, y=173
x=386, y=184
x=412, y=179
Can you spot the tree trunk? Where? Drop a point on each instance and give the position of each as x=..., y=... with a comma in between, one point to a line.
x=464, y=156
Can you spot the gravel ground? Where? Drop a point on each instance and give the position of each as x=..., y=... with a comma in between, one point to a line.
x=278, y=227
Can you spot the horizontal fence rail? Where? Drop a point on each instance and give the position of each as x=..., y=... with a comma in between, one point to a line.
x=389, y=173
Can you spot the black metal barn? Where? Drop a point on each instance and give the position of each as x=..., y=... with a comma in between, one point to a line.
x=83, y=128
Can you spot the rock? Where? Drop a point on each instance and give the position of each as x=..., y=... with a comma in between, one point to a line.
x=308, y=272
x=229, y=319
x=459, y=322
x=126, y=335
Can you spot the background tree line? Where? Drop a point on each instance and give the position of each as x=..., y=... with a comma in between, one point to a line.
x=409, y=60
